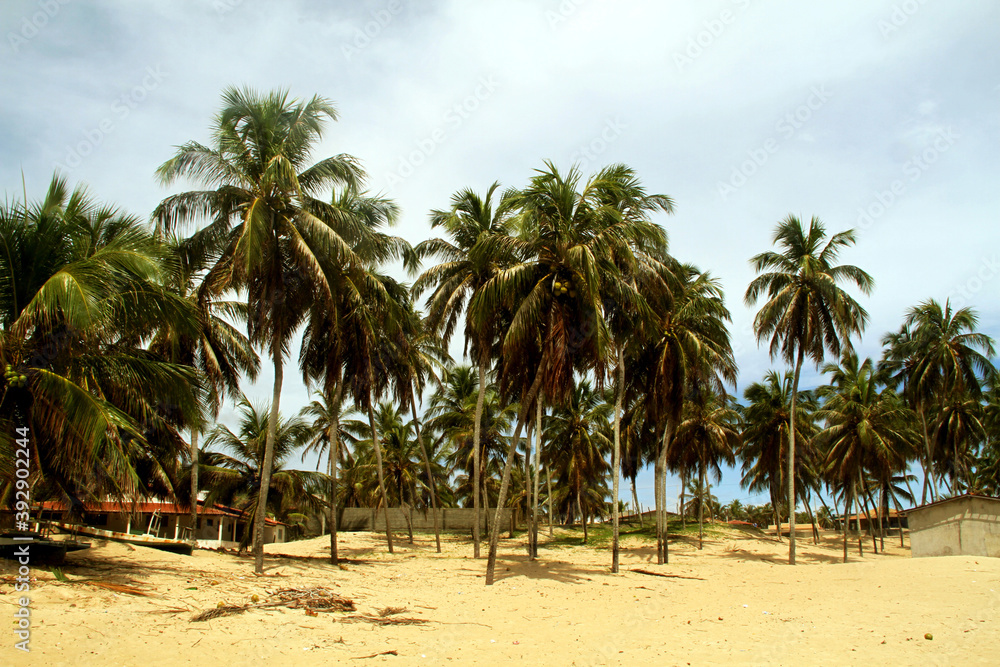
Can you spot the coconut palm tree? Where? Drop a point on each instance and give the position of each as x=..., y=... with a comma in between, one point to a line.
x=936, y=356
x=269, y=219
x=220, y=351
x=466, y=266
x=81, y=287
x=690, y=340
x=571, y=235
x=578, y=437
x=765, y=435
x=867, y=430
x=235, y=478
x=807, y=312
x=709, y=435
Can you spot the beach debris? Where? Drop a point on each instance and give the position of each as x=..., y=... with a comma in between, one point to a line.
x=375, y=655
x=313, y=600
x=391, y=611
x=928, y=636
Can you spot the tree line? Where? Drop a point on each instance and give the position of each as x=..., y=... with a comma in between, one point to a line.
x=122, y=339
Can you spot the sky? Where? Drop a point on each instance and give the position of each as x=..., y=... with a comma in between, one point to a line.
x=881, y=116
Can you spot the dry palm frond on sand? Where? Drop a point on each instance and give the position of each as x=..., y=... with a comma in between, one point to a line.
x=313, y=600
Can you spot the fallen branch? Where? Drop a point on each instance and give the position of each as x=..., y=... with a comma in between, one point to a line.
x=666, y=576
x=374, y=655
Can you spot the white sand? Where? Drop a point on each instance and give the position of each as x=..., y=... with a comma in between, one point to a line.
x=736, y=602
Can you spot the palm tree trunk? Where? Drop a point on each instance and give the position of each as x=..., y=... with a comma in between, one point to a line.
x=928, y=460
x=899, y=513
x=381, y=478
x=791, y=459
x=857, y=513
x=427, y=468
x=616, y=465
x=538, y=454
x=812, y=520
x=683, y=507
x=777, y=514
x=268, y=463
x=505, y=481
x=579, y=510
x=333, y=435
x=662, y=529
x=527, y=481
x=635, y=500
x=548, y=483
x=846, y=519
x=701, y=507
x=870, y=501
x=194, y=484
x=477, y=427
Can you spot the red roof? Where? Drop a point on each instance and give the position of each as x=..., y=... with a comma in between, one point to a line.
x=101, y=507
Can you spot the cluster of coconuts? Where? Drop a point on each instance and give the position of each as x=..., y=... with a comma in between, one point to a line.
x=14, y=379
x=559, y=288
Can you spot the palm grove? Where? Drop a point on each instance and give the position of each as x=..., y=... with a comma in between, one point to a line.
x=592, y=352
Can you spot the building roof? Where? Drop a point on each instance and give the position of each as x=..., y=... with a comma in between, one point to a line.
x=110, y=507
x=874, y=515
x=953, y=499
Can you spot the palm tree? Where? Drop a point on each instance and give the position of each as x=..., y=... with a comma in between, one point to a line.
x=936, y=356
x=271, y=230
x=572, y=233
x=709, y=435
x=807, y=313
x=578, y=437
x=766, y=419
x=219, y=350
x=866, y=430
x=80, y=289
x=236, y=478
x=465, y=269
x=690, y=340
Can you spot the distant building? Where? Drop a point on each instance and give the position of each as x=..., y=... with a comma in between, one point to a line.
x=218, y=525
x=964, y=525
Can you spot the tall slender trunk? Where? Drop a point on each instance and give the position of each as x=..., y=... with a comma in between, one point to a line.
x=812, y=520
x=777, y=514
x=476, y=456
x=381, y=478
x=899, y=518
x=658, y=501
x=548, y=484
x=268, y=463
x=870, y=502
x=635, y=501
x=333, y=435
x=701, y=506
x=928, y=460
x=791, y=459
x=616, y=465
x=538, y=455
x=527, y=481
x=857, y=513
x=579, y=510
x=194, y=484
x=427, y=468
x=668, y=434
x=846, y=518
x=505, y=482
x=683, y=507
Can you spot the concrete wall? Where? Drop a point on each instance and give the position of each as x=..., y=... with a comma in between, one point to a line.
x=961, y=526
x=451, y=519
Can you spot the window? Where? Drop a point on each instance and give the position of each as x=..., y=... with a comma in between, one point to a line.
x=209, y=522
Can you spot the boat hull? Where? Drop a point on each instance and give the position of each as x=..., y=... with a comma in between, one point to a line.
x=161, y=543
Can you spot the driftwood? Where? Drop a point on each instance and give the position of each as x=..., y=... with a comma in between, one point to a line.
x=665, y=576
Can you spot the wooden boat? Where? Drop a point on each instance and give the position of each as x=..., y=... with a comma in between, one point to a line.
x=40, y=549
x=161, y=543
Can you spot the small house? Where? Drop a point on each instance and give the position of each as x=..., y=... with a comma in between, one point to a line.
x=965, y=525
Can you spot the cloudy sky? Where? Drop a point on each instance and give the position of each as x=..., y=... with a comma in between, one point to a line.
x=879, y=115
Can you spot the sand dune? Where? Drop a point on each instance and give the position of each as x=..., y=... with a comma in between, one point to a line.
x=735, y=602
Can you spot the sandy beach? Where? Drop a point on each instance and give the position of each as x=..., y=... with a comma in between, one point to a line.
x=735, y=602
